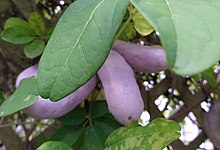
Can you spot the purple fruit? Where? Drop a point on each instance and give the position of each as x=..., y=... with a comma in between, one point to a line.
x=45, y=109
x=142, y=58
x=212, y=124
x=121, y=90
x=29, y=72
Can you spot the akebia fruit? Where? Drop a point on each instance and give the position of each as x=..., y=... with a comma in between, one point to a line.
x=45, y=109
x=142, y=58
x=121, y=90
x=212, y=124
x=29, y=72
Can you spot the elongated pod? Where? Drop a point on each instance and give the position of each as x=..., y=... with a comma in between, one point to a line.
x=121, y=90
x=142, y=58
x=45, y=109
x=212, y=124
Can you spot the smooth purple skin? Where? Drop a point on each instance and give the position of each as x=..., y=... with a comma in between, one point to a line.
x=212, y=124
x=46, y=109
x=121, y=90
x=142, y=58
x=29, y=72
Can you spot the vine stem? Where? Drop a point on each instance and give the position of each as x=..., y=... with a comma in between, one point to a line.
x=1, y=120
x=22, y=123
x=133, y=11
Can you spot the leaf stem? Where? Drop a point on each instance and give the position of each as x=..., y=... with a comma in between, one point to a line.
x=132, y=11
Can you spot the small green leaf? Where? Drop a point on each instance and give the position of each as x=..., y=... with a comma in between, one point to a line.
x=41, y=138
x=93, y=139
x=25, y=95
x=48, y=33
x=16, y=36
x=128, y=33
x=2, y=98
x=75, y=117
x=37, y=23
x=142, y=25
x=107, y=128
x=34, y=49
x=189, y=31
x=210, y=77
x=68, y=134
x=98, y=109
x=18, y=23
x=79, y=46
x=155, y=136
x=54, y=145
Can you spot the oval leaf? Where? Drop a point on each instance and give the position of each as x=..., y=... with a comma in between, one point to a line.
x=78, y=46
x=142, y=25
x=53, y=145
x=18, y=23
x=24, y=96
x=34, y=49
x=68, y=134
x=93, y=139
x=189, y=31
x=155, y=136
x=17, y=35
x=37, y=23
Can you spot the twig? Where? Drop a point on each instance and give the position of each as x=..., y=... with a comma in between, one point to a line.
x=2, y=118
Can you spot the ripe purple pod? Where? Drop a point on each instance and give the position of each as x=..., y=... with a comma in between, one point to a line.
x=212, y=124
x=45, y=109
x=142, y=58
x=121, y=90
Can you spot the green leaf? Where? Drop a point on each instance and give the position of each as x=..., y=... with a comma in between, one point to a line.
x=128, y=33
x=2, y=98
x=68, y=134
x=189, y=31
x=41, y=138
x=34, y=49
x=25, y=95
x=78, y=46
x=48, y=33
x=37, y=23
x=16, y=36
x=54, y=145
x=18, y=23
x=107, y=128
x=75, y=117
x=93, y=139
x=142, y=25
x=98, y=109
x=210, y=77
x=155, y=136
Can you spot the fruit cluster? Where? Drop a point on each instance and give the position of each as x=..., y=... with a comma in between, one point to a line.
x=121, y=89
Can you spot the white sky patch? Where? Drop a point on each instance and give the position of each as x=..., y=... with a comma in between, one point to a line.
x=142, y=42
x=58, y=8
x=190, y=129
x=207, y=145
x=144, y=119
x=62, y=2
x=161, y=102
x=205, y=106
